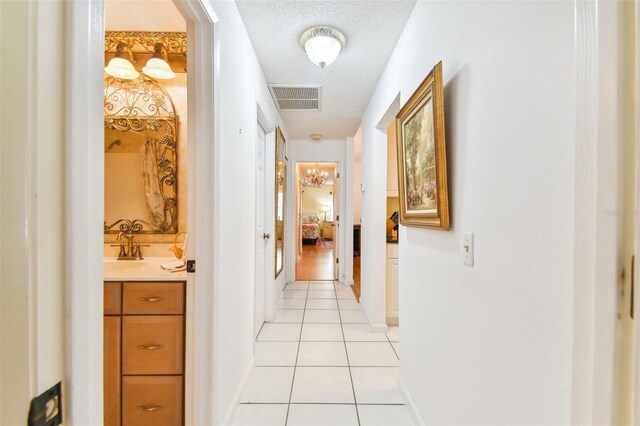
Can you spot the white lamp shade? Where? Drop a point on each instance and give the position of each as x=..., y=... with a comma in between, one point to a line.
x=121, y=68
x=325, y=208
x=322, y=50
x=158, y=68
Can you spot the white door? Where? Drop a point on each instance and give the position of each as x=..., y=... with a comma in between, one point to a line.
x=337, y=217
x=261, y=235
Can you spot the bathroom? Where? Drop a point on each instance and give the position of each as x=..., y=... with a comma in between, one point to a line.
x=145, y=214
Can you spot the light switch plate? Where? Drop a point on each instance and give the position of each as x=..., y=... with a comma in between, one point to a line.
x=467, y=248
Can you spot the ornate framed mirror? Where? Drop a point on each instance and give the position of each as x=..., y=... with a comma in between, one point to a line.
x=141, y=133
x=280, y=199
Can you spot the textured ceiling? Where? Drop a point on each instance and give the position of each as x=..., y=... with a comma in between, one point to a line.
x=371, y=28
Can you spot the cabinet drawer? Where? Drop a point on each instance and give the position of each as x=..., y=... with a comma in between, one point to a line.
x=152, y=400
x=153, y=298
x=152, y=344
x=112, y=298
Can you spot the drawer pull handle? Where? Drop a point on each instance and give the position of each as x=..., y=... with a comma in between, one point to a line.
x=150, y=299
x=150, y=347
x=150, y=408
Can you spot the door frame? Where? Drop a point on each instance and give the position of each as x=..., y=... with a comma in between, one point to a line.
x=336, y=225
x=635, y=402
x=85, y=209
x=269, y=214
x=346, y=221
x=266, y=229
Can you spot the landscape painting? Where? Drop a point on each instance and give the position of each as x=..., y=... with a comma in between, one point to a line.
x=420, y=161
x=422, y=156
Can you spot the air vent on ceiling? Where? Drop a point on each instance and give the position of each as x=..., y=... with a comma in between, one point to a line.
x=288, y=97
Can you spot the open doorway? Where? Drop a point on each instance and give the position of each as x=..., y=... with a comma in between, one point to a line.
x=393, y=206
x=317, y=213
x=86, y=208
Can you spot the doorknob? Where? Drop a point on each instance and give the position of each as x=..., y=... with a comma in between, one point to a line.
x=266, y=236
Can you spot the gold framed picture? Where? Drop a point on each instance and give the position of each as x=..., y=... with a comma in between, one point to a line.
x=422, y=156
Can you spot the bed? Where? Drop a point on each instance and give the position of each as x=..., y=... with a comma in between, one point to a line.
x=310, y=225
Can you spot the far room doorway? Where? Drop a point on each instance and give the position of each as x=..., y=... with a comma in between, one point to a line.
x=317, y=204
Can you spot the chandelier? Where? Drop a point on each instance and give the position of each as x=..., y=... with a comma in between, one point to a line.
x=315, y=177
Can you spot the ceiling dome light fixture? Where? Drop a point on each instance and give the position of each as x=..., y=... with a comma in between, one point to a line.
x=158, y=66
x=316, y=137
x=122, y=65
x=322, y=44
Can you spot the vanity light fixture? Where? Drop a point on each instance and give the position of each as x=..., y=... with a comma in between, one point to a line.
x=322, y=44
x=122, y=65
x=158, y=65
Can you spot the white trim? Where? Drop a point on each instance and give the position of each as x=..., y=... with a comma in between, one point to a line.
x=203, y=80
x=417, y=417
x=346, y=220
x=586, y=162
x=379, y=328
x=635, y=403
x=265, y=230
x=347, y=211
x=84, y=212
x=375, y=327
x=269, y=221
x=228, y=418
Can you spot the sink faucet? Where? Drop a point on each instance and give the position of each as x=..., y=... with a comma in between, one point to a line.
x=129, y=237
x=130, y=251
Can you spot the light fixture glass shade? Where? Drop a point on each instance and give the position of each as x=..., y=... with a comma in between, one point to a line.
x=121, y=68
x=322, y=44
x=158, y=68
x=322, y=51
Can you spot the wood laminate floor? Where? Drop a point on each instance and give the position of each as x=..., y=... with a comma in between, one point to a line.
x=316, y=263
x=356, y=277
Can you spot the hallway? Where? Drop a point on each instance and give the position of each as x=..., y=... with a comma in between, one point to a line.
x=317, y=363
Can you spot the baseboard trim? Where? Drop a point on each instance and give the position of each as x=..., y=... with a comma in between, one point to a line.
x=379, y=328
x=228, y=418
x=375, y=328
x=411, y=403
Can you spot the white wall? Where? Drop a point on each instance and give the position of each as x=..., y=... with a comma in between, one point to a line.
x=32, y=251
x=490, y=344
x=242, y=90
x=340, y=151
x=357, y=176
x=315, y=198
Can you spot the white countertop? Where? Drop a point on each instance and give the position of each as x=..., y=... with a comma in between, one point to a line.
x=141, y=270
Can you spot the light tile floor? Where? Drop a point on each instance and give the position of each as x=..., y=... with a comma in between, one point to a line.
x=318, y=364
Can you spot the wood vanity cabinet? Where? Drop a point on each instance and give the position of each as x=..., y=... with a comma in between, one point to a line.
x=144, y=353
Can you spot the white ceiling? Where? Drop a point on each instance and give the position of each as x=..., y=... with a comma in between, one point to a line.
x=372, y=29
x=143, y=15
